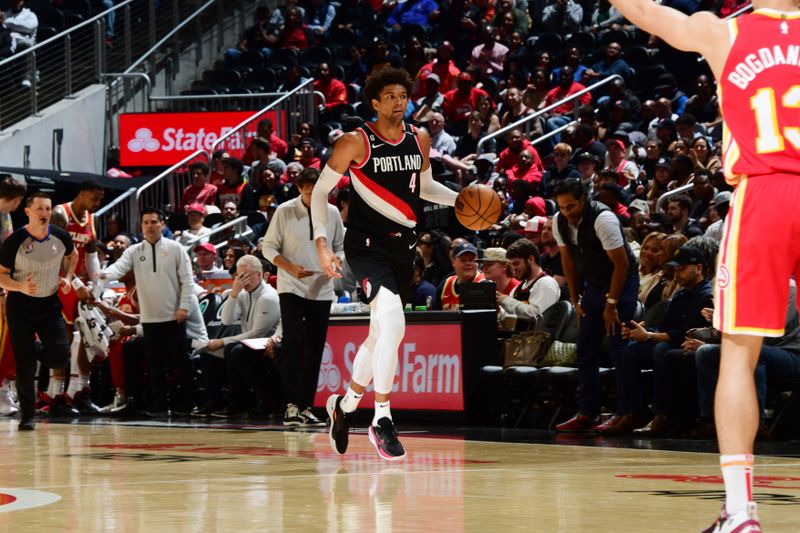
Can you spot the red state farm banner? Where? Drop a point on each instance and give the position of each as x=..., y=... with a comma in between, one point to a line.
x=428, y=374
x=163, y=139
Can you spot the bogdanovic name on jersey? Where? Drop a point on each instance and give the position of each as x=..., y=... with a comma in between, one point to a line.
x=745, y=72
x=396, y=163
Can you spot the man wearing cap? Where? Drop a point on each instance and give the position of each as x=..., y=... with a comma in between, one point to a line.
x=484, y=171
x=197, y=232
x=628, y=171
x=536, y=290
x=305, y=295
x=206, y=258
x=717, y=211
x=497, y=268
x=603, y=279
x=465, y=265
x=649, y=348
x=587, y=164
x=461, y=101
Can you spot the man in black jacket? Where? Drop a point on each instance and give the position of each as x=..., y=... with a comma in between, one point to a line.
x=603, y=281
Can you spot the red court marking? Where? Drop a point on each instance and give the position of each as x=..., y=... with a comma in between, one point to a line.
x=758, y=481
x=7, y=498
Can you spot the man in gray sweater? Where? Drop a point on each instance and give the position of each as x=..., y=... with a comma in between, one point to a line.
x=305, y=296
x=254, y=305
x=164, y=285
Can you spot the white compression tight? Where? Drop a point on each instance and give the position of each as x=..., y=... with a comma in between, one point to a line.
x=377, y=357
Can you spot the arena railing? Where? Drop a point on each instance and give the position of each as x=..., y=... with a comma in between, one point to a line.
x=239, y=224
x=70, y=61
x=124, y=207
x=130, y=90
x=213, y=102
x=669, y=194
x=537, y=114
x=291, y=109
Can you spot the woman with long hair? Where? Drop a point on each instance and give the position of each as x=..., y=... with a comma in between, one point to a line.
x=702, y=155
x=650, y=263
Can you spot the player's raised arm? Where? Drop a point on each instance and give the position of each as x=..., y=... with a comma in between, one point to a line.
x=702, y=32
x=430, y=189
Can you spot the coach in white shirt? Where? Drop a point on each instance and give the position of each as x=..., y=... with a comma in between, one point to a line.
x=164, y=286
x=305, y=295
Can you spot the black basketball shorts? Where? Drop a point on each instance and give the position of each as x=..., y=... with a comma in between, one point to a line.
x=381, y=261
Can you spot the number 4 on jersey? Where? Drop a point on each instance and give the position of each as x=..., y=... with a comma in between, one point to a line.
x=769, y=135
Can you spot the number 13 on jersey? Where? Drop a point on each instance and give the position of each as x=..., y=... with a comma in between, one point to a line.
x=770, y=137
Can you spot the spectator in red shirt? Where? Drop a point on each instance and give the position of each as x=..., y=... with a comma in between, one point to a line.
x=277, y=146
x=200, y=191
x=563, y=114
x=460, y=102
x=333, y=90
x=442, y=66
x=517, y=143
x=294, y=31
x=524, y=169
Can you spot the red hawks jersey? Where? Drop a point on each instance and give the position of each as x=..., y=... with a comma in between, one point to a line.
x=81, y=235
x=760, y=95
x=385, y=185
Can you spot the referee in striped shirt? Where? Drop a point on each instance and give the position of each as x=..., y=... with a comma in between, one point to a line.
x=30, y=268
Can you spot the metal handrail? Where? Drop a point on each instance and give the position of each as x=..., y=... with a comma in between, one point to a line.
x=153, y=49
x=64, y=33
x=211, y=96
x=216, y=230
x=116, y=201
x=669, y=194
x=554, y=132
x=167, y=172
x=235, y=129
x=541, y=112
x=740, y=11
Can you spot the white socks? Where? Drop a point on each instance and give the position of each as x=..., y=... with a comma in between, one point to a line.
x=382, y=409
x=737, y=471
x=350, y=401
x=56, y=386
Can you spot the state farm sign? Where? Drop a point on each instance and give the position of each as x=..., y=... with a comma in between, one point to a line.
x=163, y=139
x=428, y=373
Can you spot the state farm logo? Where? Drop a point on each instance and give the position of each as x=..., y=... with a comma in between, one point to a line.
x=329, y=376
x=143, y=140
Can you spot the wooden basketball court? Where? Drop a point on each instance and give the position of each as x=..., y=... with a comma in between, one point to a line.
x=117, y=476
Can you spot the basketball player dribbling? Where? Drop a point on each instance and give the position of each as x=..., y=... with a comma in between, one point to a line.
x=390, y=172
x=755, y=60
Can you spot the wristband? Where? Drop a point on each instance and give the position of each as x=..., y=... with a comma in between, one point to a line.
x=77, y=283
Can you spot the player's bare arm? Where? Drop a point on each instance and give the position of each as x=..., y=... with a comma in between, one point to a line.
x=349, y=148
x=702, y=32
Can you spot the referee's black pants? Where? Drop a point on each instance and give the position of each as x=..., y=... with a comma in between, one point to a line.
x=165, y=348
x=27, y=317
x=305, y=327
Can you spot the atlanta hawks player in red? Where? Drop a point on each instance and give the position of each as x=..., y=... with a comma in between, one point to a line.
x=80, y=225
x=390, y=174
x=755, y=60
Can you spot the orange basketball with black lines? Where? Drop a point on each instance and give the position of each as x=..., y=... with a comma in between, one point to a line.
x=478, y=207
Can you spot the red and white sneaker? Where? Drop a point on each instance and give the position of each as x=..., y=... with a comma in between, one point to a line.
x=745, y=521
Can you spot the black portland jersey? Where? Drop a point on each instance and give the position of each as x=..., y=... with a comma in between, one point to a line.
x=385, y=185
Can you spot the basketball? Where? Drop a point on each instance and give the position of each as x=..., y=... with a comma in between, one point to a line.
x=478, y=207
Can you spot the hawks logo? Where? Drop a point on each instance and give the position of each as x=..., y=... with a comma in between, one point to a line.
x=723, y=277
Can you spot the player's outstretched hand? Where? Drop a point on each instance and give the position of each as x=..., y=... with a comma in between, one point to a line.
x=330, y=263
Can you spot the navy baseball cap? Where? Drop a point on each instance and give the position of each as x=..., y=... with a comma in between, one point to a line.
x=465, y=248
x=687, y=255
